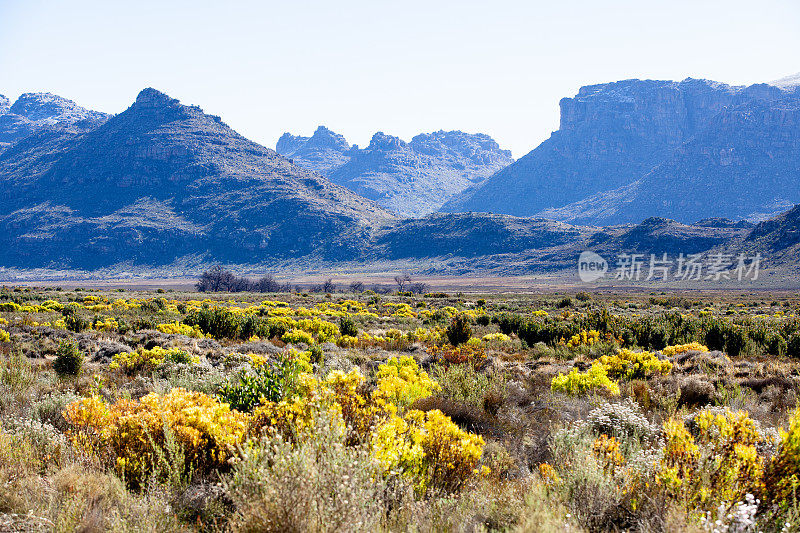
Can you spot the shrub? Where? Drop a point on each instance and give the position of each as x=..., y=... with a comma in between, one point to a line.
x=459, y=330
x=143, y=360
x=347, y=326
x=564, y=302
x=711, y=459
x=782, y=476
x=318, y=484
x=297, y=336
x=428, y=449
x=483, y=320
x=463, y=383
x=577, y=383
x=627, y=364
x=183, y=428
x=622, y=420
x=219, y=322
x=4, y=336
x=683, y=348
x=265, y=382
x=401, y=382
x=317, y=356
x=509, y=323
x=68, y=359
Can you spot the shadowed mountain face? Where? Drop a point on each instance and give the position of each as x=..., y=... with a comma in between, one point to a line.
x=161, y=180
x=33, y=112
x=610, y=136
x=744, y=165
x=410, y=178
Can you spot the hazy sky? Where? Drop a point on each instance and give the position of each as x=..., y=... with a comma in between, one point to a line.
x=407, y=67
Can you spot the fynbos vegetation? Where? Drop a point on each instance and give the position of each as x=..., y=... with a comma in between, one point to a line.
x=400, y=412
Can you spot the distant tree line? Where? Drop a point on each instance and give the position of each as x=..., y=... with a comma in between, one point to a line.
x=219, y=279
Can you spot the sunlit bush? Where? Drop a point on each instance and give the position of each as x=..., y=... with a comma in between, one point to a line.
x=189, y=428
x=577, y=383
x=143, y=360
x=627, y=364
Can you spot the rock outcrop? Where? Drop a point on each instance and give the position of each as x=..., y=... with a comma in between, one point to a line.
x=610, y=136
x=410, y=178
x=33, y=112
x=744, y=164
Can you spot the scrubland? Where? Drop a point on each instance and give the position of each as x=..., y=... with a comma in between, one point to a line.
x=173, y=411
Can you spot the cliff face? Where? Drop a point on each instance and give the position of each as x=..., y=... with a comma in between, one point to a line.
x=610, y=135
x=743, y=165
x=410, y=178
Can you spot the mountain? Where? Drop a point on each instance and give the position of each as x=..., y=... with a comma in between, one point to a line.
x=322, y=152
x=33, y=112
x=409, y=178
x=788, y=82
x=161, y=180
x=610, y=135
x=744, y=164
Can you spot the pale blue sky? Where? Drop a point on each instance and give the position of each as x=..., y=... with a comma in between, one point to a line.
x=497, y=67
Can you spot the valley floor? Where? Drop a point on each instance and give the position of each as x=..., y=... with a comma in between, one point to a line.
x=144, y=406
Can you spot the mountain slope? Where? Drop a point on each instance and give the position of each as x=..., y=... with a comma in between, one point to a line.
x=410, y=178
x=33, y=112
x=744, y=165
x=610, y=135
x=162, y=179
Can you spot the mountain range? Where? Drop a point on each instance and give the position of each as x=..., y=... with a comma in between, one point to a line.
x=409, y=178
x=636, y=167
x=633, y=149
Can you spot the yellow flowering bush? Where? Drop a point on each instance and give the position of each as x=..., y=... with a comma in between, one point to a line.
x=297, y=336
x=3, y=322
x=669, y=351
x=576, y=383
x=584, y=338
x=500, y=338
x=627, y=364
x=148, y=360
x=176, y=328
x=4, y=336
x=711, y=459
x=107, y=324
x=782, y=476
x=134, y=435
x=401, y=382
x=429, y=449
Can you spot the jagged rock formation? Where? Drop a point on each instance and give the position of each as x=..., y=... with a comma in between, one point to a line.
x=744, y=164
x=322, y=152
x=410, y=178
x=33, y=112
x=161, y=180
x=610, y=136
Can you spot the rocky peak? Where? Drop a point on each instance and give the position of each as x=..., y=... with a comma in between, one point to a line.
x=152, y=98
x=383, y=142
x=325, y=138
x=51, y=108
x=787, y=82
x=4, y=104
x=289, y=143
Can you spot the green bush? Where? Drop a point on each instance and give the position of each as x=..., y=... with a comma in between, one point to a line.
x=317, y=355
x=459, y=330
x=347, y=326
x=508, y=322
x=218, y=322
x=271, y=381
x=69, y=360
